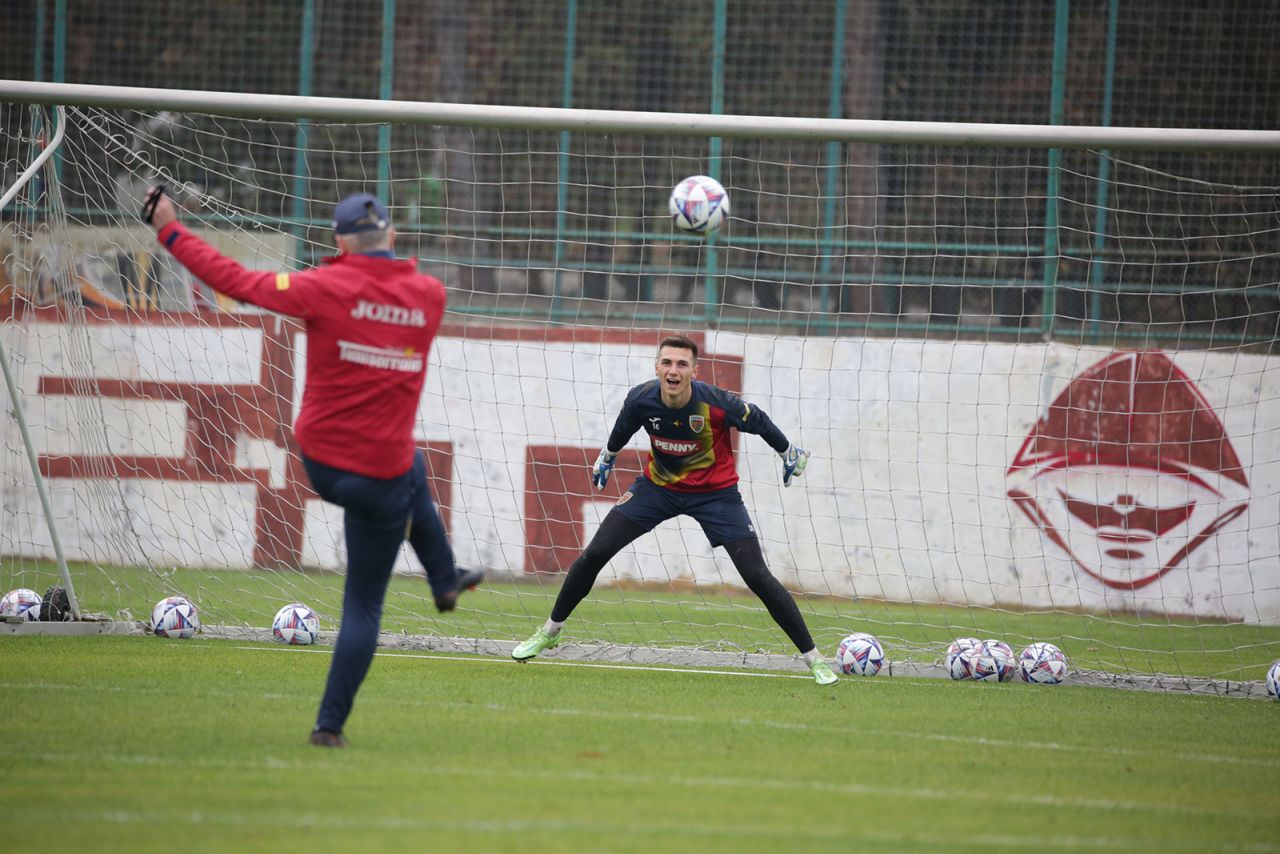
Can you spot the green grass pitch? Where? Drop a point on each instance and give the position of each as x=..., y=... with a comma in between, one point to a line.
x=138, y=743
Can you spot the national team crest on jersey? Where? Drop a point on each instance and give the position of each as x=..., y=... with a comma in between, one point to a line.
x=1129, y=471
x=696, y=423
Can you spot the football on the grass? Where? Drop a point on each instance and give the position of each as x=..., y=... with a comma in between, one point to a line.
x=959, y=661
x=22, y=603
x=296, y=625
x=1042, y=664
x=860, y=654
x=992, y=661
x=175, y=617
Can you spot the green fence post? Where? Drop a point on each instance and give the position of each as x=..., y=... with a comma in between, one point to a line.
x=37, y=124
x=835, y=109
x=298, y=193
x=385, y=91
x=60, y=41
x=1049, y=308
x=59, y=65
x=1097, y=271
x=720, y=25
x=38, y=71
x=562, y=158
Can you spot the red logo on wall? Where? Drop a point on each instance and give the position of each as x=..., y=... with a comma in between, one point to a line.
x=1129, y=471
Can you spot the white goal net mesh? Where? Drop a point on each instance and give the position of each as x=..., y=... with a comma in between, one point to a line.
x=1042, y=395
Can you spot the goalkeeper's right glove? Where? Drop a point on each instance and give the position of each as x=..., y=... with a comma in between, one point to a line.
x=604, y=465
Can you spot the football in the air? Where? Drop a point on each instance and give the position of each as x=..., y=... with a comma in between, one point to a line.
x=22, y=603
x=296, y=625
x=993, y=662
x=174, y=617
x=860, y=654
x=959, y=661
x=1042, y=664
x=699, y=205
x=1273, y=680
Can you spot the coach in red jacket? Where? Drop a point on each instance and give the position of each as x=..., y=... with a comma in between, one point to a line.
x=370, y=320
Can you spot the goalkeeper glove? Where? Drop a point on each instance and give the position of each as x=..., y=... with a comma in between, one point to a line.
x=793, y=462
x=604, y=465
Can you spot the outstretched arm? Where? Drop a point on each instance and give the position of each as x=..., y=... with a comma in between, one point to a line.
x=752, y=419
x=282, y=292
x=626, y=425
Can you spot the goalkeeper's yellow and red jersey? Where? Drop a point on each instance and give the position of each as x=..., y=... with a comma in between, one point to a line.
x=690, y=449
x=370, y=321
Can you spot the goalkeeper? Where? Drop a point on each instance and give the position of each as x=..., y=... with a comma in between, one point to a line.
x=370, y=320
x=690, y=472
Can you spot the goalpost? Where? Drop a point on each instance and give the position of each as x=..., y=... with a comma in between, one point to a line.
x=11, y=387
x=1036, y=366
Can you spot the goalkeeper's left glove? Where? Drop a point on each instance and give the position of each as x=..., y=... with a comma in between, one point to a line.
x=793, y=462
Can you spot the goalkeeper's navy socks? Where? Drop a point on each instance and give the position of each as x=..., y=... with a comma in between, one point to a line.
x=749, y=561
x=615, y=532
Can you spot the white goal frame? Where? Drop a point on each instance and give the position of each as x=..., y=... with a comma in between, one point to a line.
x=627, y=121
x=9, y=195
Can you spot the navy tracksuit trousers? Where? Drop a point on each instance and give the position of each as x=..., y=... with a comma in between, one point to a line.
x=376, y=514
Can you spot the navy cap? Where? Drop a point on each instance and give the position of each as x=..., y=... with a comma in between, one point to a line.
x=360, y=212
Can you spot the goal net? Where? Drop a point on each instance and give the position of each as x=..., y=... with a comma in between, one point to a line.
x=1041, y=390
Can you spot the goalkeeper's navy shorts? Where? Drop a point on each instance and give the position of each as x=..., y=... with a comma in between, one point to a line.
x=720, y=512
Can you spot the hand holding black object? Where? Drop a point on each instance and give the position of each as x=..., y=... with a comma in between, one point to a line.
x=154, y=195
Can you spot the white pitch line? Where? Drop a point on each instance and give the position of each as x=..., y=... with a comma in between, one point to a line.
x=980, y=741
x=843, y=833
x=484, y=659
x=653, y=717
x=515, y=777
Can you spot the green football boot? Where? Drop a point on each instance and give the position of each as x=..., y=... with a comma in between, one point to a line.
x=822, y=673
x=537, y=642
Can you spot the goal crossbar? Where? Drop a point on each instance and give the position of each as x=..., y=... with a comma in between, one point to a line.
x=626, y=121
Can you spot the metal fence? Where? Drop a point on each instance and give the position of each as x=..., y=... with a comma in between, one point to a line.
x=882, y=243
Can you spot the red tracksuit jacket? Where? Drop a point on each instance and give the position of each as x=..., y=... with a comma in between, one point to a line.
x=370, y=322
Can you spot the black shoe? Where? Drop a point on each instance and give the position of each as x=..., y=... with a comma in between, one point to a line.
x=324, y=738
x=467, y=580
